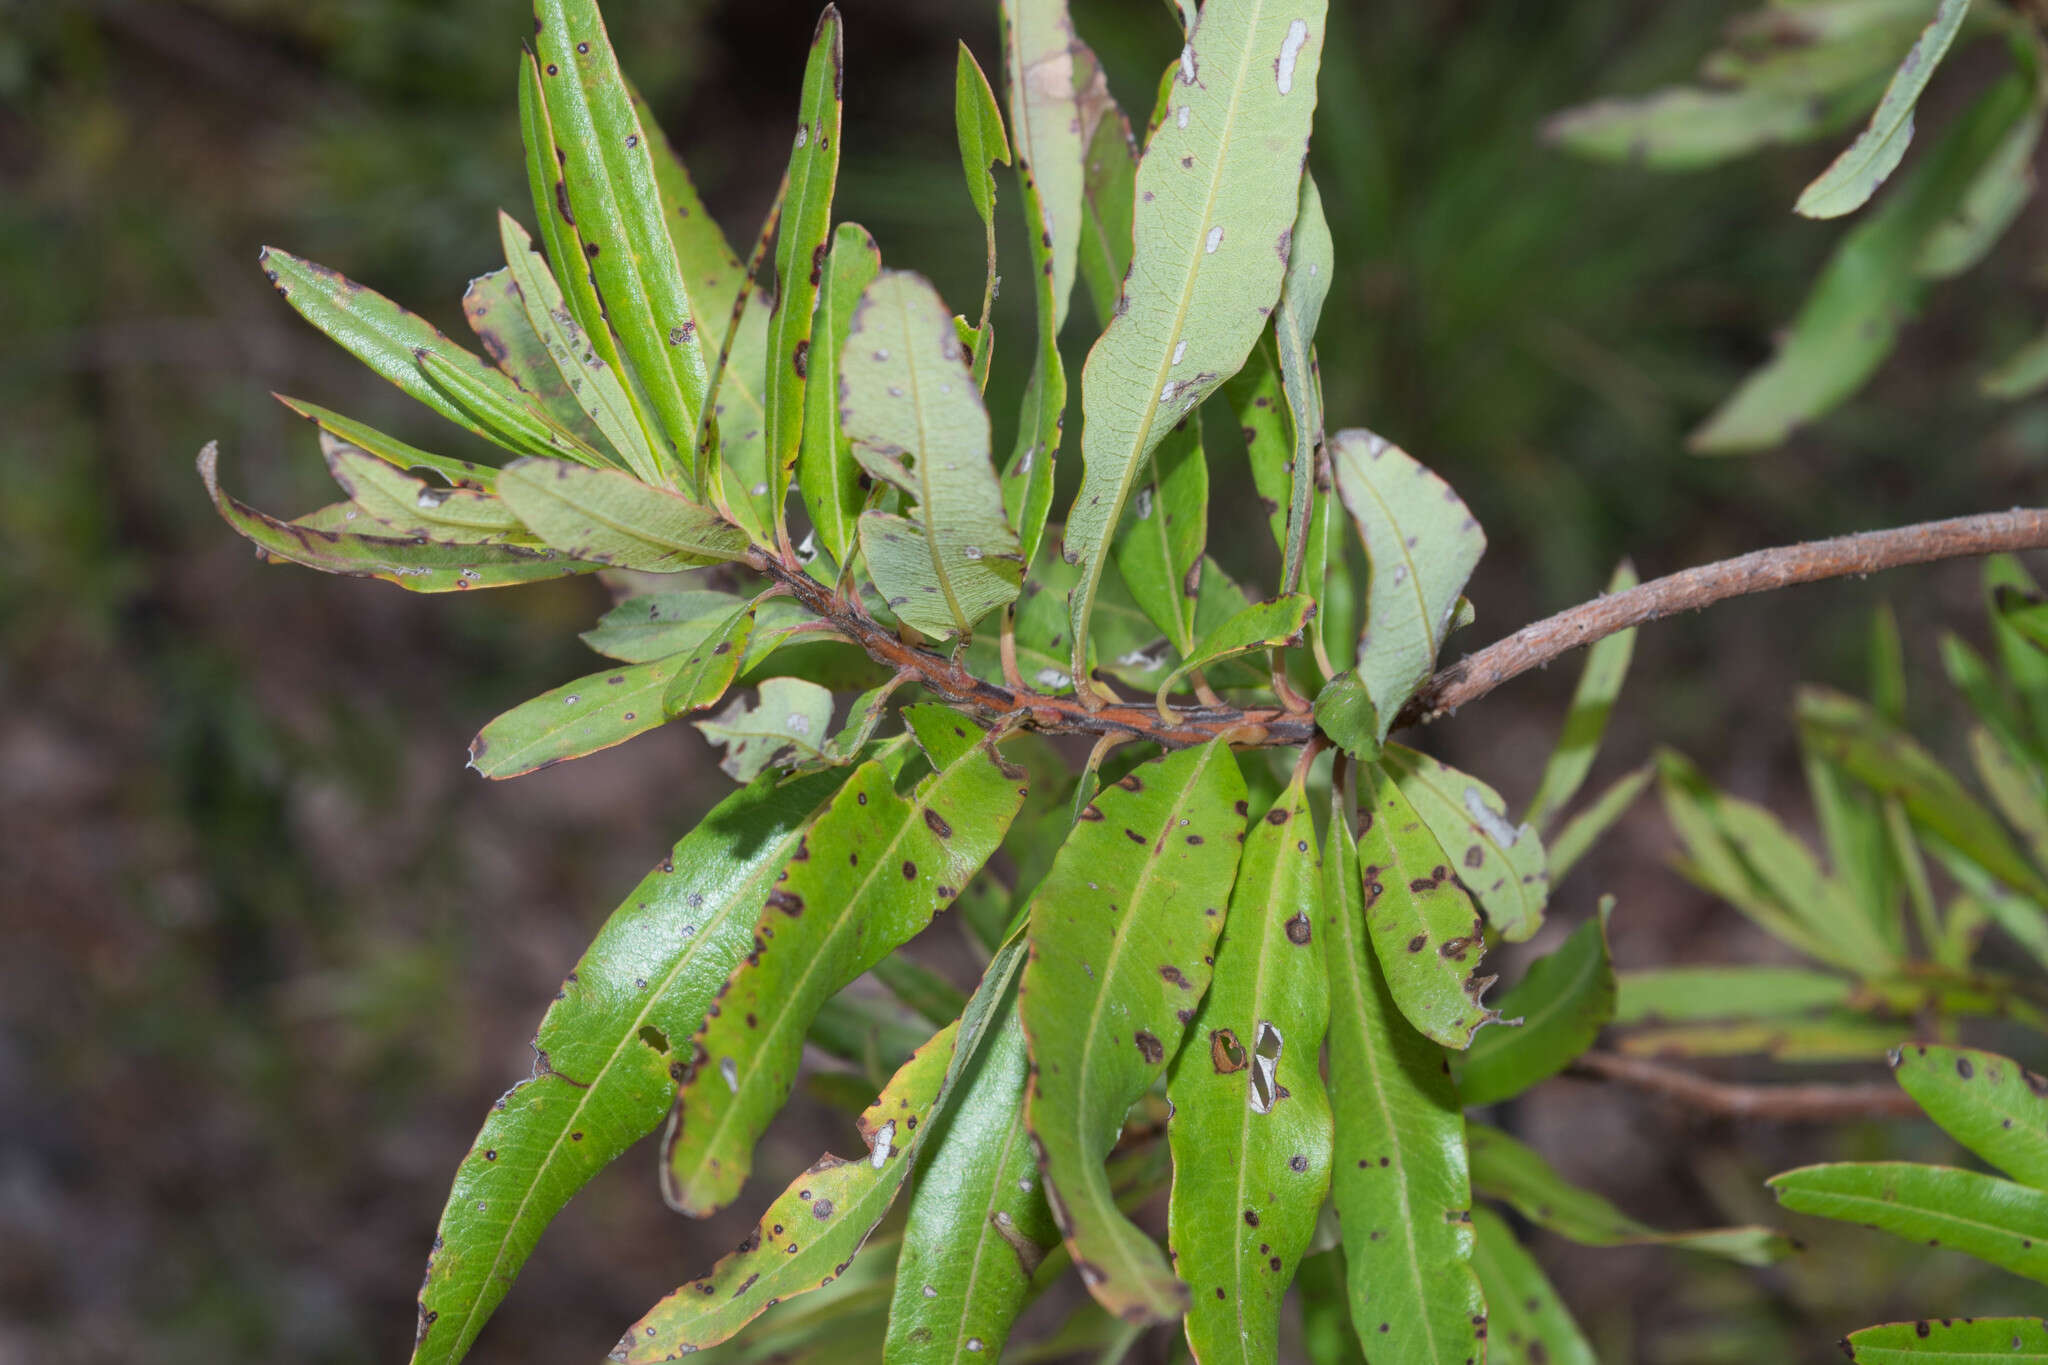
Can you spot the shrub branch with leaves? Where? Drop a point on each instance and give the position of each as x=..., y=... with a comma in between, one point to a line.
x=1243, y=874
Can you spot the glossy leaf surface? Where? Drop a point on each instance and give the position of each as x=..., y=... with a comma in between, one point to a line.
x=1250, y=1129
x=1262, y=625
x=1122, y=929
x=1994, y=1220
x=1399, y=1178
x=1991, y=1104
x=1215, y=201
x=1949, y=1341
x=826, y=469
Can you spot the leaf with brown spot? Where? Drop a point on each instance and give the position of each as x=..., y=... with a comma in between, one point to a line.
x=1499, y=862
x=1991, y=1104
x=609, y=516
x=1526, y=1322
x=824, y=1215
x=1423, y=925
x=1109, y=916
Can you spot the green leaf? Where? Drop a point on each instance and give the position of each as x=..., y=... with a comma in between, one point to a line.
x=712, y=663
x=1949, y=1341
x=868, y=877
x=1121, y=932
x=1215, y=198
x=978, y=123
x=1399, y=1181
x=2016, y=785
x=610, y=517
x=1421, y=546
x=1563, y=1002
x=618, y=216
x=1160, y=554
x=391, y=450
x=826, y=469
x=1344, y=712
x=1526, y=1322
x=1582, y=831
x=1256, y=397
x=1994, y=1220
x=546, y=180
x=1311, y=260
x=1682, y=994
x=2020, y=374
x=1851, y=178
x=1424, y=929
x=1500, y=864
x=1865, y=294
x=597, y=393
x=495, y=311
x=1976, y=222
x=389, y=340
x=800, y=249
x=812, y=1230
x=1508, y=1170
x=1108, y=186
x=905, y=393
x=656, y=625
x=1042, y=77
x=515, y=419
x=410, y=507
x=1262, y=625
x=787, y=726
x=411, y=565
x=1250, y=1127
x=1685, y=128
x=1991, y=1104
x=601, y=1078
x=1839, y=1037
x=1592, y=702
x=1892, y=764
x=580, y=717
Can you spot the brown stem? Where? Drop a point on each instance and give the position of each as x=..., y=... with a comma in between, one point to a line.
x=1782, y=1103
x=1691, y=589
x=1468, y=679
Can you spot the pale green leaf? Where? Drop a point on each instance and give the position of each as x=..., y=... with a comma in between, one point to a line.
x=610, y=517
x=1991, y=1104
x=406, y=506
x=1592, y=701
x=1578, y=834
x=1526, y=1322
x=1994, y=1220
x=391, y=450
x=1262, y=625
x=826, y=469
x=1311, y=260
x=1950, y=1341
x=1159, y=554
x=785, y=726
x=1500, y=863
x=1687, y=994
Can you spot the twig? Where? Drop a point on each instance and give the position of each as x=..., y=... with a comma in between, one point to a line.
x=1783, y=1103
x=1689, y=590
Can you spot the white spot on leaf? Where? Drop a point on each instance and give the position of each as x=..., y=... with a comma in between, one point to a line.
x=730, y=1071
x=1215, y=240
x=885, y=1139
x=1490, y=821
x=1290, y=49
x=1180, y=350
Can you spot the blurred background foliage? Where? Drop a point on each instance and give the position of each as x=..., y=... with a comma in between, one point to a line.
x=269, y=951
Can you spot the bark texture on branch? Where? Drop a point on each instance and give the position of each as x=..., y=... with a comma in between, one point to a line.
x=1781, y=1103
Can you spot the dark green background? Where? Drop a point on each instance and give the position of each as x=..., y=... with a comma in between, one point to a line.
x=269, y=951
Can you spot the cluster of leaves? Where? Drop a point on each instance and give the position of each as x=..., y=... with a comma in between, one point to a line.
x=1234, y=959
x=1797, y=70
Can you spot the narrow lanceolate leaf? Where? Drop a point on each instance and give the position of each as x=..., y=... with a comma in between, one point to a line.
x=1160, y=556
x=1250, y=1125
x=784, y=727
x=1215, y=204
x=601, y=1080
x=813, y=1230
x=1891, y=763
x=1685, y=128
x=869, y=877
x=1526, y=1322
x=577, y=718
x=979, y=1226
x=1991, y=1104
x=978, y=122
x=800, y=251
x=1563, y=1003
x=496, y=314
x=1122, y=930
x=1424, y=928
x=1262, y=625
x=1109, y=193
x=391, y=450
x=1421, y=545
x=1868, y=290
x=1994, y=199
x=699, y=678
x=2022, y=372
x=1949, y=1341
x=405, y=561
x=1256, y=397
x=1508, y=1170
x=1042, y=79
x=617, y=212
x=1994, y=1220
x=389, y=339
x=1577, y=836
x=1311, y=257
x=406, y=506
x=1592, y=701
x=906, y=394
x=1681, y=994
x=1851, y=178
x=612, y=518
x=655, y=625
x=514, y=420
x=826, y=469
x=1500, y=863
x=1398, y=1175
x=592, y=384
